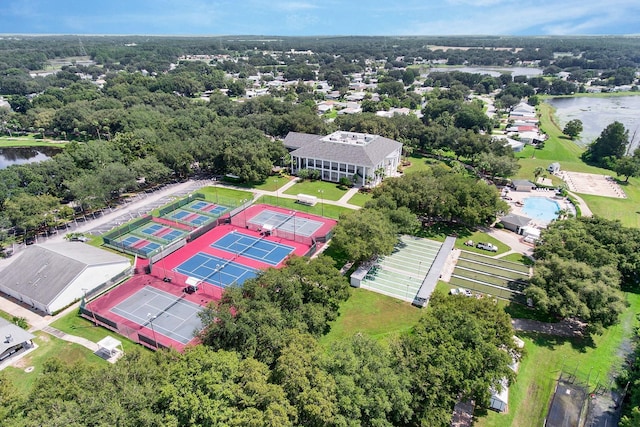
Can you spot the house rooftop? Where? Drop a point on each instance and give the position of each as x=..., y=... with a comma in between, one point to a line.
x=351, y=138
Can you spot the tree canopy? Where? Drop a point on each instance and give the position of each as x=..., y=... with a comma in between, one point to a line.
x=581, y=266
x=609, y=146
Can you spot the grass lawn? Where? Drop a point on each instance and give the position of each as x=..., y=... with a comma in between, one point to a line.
x=522, y=259
x=273, y=183
x=29, y=141
x=320, y=189
x=530, y=396
x=375, y=315
x=48, y=348
x=219, y=194
x=419, y=163
x=360, y=198
x=6, y=316
x=322, y=209
x=73, y=324
x=439, y=231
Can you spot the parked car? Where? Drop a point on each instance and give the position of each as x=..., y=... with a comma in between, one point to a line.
x=30, y=240
x=468, y=243
x=487, y=247
x=461, y=291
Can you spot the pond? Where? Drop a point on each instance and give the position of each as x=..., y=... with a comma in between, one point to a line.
x=20, y=155
x=598, y=113
x=493, y=71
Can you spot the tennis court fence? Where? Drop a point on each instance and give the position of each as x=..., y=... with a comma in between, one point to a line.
x=167, y=250
x=137, y=335
x=110, y=237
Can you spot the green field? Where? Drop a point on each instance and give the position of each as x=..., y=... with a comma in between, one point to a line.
x=546, y=356
x=320, y=189
x=375, y=315
x=518, y=265
x=48, y=348
x=359, y=199
x=73, y=324
x=29, y=141
x=219, y=194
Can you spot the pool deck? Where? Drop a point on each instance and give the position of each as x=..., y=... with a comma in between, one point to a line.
x=517, y=197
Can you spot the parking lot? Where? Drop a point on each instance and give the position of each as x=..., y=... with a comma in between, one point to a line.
x=101, y=221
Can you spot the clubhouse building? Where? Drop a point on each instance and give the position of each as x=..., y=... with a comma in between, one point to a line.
x=362, y=158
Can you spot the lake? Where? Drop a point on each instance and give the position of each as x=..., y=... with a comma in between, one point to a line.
x=493, y=71
x=598, y=113
x=21, y=155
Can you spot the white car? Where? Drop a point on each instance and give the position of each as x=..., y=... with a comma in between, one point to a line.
x=487, y=247
x=460, y=291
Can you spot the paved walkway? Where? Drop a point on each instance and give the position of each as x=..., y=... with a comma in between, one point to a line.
x=71, y=338
x=584, y=208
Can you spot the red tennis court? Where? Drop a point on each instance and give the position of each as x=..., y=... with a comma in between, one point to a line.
x=247, y=247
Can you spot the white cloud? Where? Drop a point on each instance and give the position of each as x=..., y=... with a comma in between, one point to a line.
x=294, y=5
x=547, y=17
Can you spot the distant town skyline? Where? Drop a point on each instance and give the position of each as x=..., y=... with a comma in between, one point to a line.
x=320, y=17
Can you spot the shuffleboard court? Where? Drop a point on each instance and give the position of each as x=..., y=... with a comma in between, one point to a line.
x=164, y=313
x=252, y=247
x=286, y=222
x=215, y=270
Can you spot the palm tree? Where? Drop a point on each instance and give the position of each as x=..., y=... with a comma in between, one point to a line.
x=537, y=172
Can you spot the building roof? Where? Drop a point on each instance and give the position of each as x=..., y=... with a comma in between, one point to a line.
x=11, y=335
x=522, y=183
x=514, y=219
x=370, y=152
x=42, y=272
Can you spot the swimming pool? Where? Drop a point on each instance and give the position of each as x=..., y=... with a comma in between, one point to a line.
x=540, y=208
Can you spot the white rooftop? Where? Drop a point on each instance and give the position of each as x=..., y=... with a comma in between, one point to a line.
x=351, y=138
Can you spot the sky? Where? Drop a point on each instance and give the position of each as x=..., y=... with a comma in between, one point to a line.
x=321, y=17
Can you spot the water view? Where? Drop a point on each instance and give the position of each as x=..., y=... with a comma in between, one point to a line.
x=597, y=113
x=21, y=155
x=494, y=71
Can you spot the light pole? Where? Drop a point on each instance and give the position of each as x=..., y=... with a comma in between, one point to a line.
x=294, y=226
x=244, y=210
x=277, y=189
x=321, y=200
x=219, y=275
x=151, y=319
x=84, y=291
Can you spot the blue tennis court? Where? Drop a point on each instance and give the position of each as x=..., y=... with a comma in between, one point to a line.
x=210, y=208
x=191, y=218
x=252, y=247
x=215, y=270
